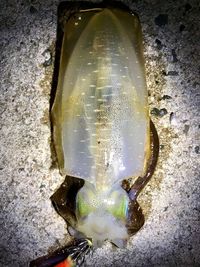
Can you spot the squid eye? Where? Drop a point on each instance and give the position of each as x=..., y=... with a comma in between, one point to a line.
x=118, y=206
x=83, y=207
x=85, y=202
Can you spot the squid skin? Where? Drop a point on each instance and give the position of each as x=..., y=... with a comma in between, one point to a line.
x=100, y=113
x=101, y=124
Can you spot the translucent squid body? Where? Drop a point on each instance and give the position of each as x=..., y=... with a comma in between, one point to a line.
x=104, y=140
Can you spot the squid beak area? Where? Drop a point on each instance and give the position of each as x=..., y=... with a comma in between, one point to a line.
x=68, y=256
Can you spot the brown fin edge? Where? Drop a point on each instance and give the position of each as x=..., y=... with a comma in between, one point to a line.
x=141, y=182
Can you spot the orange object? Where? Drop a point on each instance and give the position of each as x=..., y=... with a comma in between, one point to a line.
x=66, y=263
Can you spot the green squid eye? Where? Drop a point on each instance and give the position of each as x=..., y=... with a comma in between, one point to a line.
x=83, y=207
x=119, y=208
x=84, y=202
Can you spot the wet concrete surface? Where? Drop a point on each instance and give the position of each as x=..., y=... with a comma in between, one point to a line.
x=30, y=227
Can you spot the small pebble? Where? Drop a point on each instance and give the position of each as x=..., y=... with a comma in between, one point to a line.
x=48, y=58
x=174, y=56
x=166, y=97
x=172, y=119
x=161, y=147
x=159, y=112
x=197, y=149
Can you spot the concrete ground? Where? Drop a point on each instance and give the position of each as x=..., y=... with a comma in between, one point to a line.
x=30, y=227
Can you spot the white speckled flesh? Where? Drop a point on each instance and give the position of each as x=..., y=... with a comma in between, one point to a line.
x=100, y=111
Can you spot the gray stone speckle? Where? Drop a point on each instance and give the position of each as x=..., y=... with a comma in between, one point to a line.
x=29, y=226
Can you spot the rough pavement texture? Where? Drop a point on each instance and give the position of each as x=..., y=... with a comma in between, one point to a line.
x=29, y=225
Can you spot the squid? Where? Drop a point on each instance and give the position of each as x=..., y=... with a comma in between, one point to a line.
x=105, y=141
